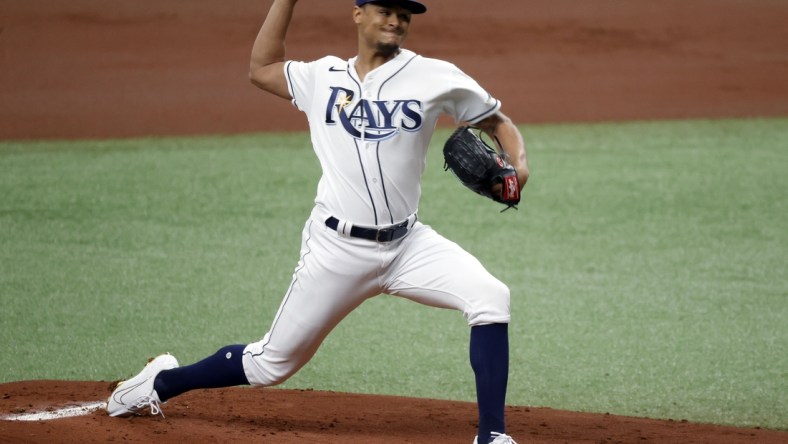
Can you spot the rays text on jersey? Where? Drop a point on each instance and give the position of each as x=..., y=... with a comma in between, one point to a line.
x=380, y=119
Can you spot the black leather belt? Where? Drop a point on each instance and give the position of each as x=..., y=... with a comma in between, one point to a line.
x=386, y=234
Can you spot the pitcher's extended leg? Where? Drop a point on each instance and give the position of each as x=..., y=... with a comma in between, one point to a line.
x=222, y=369
x=489, y=353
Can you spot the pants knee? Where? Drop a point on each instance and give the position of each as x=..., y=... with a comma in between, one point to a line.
x=493, y=307
x=264, y=367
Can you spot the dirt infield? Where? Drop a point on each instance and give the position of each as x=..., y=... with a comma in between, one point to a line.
x=287, y=416
x=80, y=69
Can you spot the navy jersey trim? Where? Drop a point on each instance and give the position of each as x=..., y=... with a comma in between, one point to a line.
x=383, y=184
x=290, y=83
x=366, y=182
x=377, y=150
x=484, y=114
x=395, y=73
x=358, y=151
x=289, y=290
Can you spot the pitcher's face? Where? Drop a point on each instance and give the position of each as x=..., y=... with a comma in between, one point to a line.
x=382, y=27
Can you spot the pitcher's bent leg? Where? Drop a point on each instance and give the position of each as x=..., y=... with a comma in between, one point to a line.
x=439, y=273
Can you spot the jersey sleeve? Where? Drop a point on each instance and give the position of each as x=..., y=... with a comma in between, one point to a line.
x=469, y=101
x=300, y=82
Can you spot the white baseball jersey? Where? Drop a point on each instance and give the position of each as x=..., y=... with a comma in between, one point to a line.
x=371, y=136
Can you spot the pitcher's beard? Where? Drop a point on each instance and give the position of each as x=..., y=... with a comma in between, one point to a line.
x=387, y=49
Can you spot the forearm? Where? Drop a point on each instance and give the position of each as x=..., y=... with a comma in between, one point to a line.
x=268, y=51
x=506, y=134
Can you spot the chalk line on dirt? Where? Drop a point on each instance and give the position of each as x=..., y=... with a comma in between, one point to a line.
x=77, y=409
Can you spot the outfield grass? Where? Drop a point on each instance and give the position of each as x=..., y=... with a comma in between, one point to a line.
x=647, y=266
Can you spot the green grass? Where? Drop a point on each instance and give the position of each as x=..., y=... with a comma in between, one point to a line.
x=647, y=265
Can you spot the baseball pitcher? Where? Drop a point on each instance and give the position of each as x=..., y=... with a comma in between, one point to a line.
x=371, y=119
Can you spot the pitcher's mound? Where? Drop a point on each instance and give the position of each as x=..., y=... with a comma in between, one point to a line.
x=295, y=416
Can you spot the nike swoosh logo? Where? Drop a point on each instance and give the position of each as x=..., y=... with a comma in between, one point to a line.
x=332, y=69
x=118, y=397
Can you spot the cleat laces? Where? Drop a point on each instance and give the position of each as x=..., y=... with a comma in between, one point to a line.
x=500, y=438
x=151, y=402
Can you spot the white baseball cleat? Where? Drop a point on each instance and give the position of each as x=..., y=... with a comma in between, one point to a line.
x=500, y=438
x=135, y=394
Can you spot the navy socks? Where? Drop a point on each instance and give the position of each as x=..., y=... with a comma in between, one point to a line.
x=489, y=356
x=489, y=352
x=222, y=369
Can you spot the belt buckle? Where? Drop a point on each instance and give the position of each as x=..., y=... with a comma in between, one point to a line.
x=383, y=230
x=399, y=232
x=392, y=233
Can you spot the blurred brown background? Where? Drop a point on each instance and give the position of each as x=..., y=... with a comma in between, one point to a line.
x=97, y=68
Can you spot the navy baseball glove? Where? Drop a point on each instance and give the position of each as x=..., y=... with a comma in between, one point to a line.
x=480, y=168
